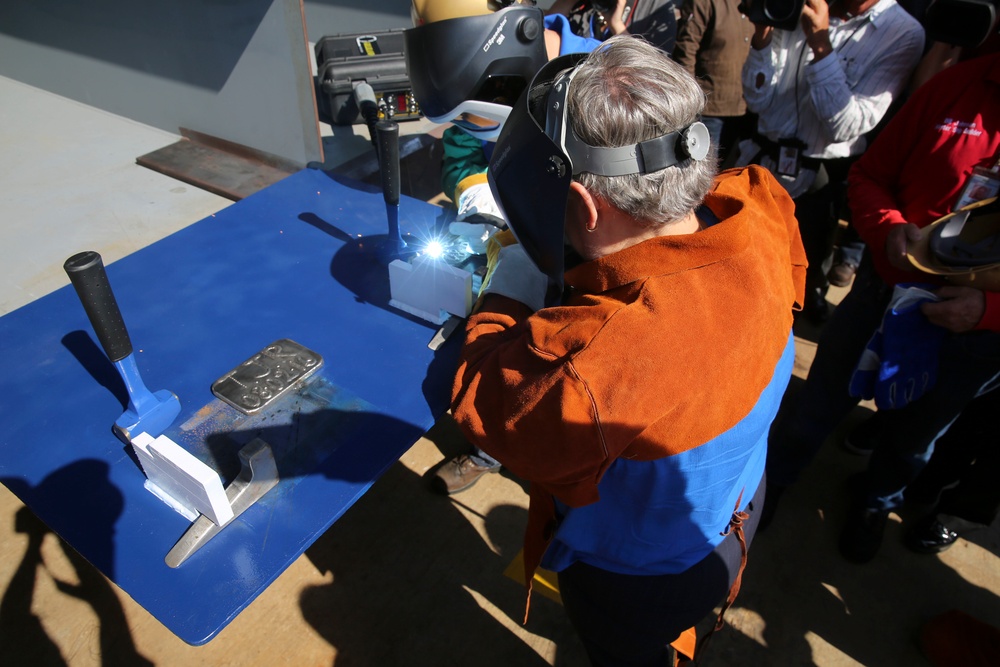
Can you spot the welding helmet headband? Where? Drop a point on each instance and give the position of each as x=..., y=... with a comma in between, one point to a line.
x=475, y=66
x=538, y=153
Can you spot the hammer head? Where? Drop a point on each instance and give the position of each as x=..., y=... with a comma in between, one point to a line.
x=152, y=415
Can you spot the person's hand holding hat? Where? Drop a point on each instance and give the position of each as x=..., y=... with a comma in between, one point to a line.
x=897, y=245
x=960, y=247
x=963, y=248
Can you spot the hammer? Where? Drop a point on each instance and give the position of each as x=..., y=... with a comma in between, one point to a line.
x=147, y=412
x=387, y=143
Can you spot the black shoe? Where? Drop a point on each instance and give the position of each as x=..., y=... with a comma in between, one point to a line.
x=862, y=535
x=930, y=535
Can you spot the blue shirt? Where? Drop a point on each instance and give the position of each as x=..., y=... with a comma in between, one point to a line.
x=696, y=493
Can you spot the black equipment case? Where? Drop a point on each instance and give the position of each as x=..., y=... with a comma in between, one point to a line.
x=376, y=58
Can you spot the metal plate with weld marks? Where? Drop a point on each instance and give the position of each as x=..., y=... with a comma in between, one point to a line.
x=267, y=375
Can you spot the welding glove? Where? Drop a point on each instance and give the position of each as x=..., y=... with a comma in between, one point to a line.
x=511, y=273
x=900, y=363
x=496, y=243
x=479, y=216
x=474, y=234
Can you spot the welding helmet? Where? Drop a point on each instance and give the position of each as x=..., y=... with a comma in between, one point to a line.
x=431, y=11
x=963, y=246
x=538, y=154
x=470, y=70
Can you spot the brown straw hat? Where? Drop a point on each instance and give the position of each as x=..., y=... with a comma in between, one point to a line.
x=963, y=247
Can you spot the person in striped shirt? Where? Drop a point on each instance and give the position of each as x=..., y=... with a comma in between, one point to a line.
x=817, y=91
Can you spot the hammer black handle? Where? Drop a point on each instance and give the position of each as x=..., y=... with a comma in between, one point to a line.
x=387, y=132
x=86, y=272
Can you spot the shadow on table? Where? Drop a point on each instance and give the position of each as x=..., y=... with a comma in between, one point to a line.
x=92, y=359
x=90, y=507
x=307, y=430
x=361, y=264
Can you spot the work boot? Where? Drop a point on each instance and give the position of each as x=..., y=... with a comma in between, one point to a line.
x=461, y=472
x=841, y=274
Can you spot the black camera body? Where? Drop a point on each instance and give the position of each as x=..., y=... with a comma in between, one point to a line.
x=606, y=7
x=965, y=23
x=782, y=14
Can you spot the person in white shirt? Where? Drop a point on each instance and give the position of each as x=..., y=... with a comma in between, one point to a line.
x=817, y=90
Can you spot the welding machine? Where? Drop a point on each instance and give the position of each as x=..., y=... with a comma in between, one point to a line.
x=361, y=78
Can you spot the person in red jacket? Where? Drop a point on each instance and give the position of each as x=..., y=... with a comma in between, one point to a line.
x=941, y=149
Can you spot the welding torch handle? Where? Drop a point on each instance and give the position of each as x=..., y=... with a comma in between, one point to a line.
x=86, y=272
x=388, y=159
x=364, y=95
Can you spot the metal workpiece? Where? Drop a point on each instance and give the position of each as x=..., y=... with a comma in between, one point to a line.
x=258, y=475
x=266, y=376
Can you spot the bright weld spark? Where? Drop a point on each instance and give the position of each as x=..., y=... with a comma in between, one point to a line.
x=434, y=249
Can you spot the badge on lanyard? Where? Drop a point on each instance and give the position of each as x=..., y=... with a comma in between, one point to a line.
x=983, y=183
x=789, y=156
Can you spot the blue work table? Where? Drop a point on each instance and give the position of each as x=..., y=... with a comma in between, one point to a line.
x=296, y=261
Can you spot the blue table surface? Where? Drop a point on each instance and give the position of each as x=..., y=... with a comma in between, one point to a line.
x=292, y=261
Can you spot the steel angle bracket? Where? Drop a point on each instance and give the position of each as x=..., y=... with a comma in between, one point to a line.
x=258, y=475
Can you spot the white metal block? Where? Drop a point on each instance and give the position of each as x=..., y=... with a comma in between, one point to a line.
x=177, y=474
x=430, y=289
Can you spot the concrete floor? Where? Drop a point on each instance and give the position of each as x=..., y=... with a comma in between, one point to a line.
x=405, y=577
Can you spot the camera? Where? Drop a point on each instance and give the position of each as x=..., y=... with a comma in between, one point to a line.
x=783, y=14
x=965, y=23
x=606, y=7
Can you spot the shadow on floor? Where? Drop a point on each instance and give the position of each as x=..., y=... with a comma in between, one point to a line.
x=800, y=599
x=450, y=603
x=23, y=638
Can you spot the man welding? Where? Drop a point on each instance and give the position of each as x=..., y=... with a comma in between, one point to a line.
x=633, y=379
x=468, y=64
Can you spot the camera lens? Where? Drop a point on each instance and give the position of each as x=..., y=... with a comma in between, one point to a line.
x=604, y=6
x=782, y=10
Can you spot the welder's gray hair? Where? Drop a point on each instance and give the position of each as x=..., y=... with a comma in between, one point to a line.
x=629, y=91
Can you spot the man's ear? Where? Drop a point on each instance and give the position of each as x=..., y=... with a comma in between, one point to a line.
x=582, y=206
